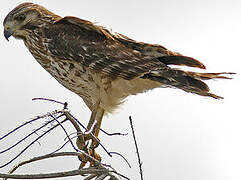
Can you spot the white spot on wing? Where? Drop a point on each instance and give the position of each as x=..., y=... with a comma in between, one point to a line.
x=85, y=48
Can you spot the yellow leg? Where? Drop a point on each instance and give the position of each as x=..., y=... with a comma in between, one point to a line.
x=96, y=128
x=96, y=115
x=93, y=115
x=99, y=117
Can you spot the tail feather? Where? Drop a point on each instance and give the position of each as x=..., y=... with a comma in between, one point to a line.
x=206, y=76
x=187, y=81
x=167, y=76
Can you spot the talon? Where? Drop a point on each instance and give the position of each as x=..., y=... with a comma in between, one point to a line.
x=86, y=137
x=81, y=144
x=95, y=143
x=96, y=156
x=82, y=165
x=83, y=159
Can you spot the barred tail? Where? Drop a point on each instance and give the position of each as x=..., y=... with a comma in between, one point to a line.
x=187, y=81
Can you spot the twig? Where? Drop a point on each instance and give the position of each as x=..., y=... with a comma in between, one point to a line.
x=113, y=134
x=137, y=151
x=83, y=171
x=51, y=100
x=100, y=172
x=75, y=123
x=28, y=122
x=4, y=136
x=97, y=171
x=60, y=147
x=21, y=140
x=119, y=154
x=90, y=177
x=31, y=144
x=66, y=133
x=42, y=158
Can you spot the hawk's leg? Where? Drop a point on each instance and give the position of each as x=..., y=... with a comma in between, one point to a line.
x=94, y=129
x=93, y=115
x=95, y=123
x=92, y=132
x=99, y=117
x=95, y=119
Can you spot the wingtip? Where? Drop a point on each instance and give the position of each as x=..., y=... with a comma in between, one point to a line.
x=202, y=66
x=215, y=96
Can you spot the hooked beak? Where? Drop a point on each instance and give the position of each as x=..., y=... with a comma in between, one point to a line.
x=7, y=34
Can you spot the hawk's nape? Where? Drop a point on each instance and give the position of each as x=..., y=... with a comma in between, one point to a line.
x=101, y=67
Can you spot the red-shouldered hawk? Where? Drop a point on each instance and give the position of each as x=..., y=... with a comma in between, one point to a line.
x=101, y=67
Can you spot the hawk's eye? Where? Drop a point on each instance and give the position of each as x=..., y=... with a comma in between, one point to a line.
x=20, y=17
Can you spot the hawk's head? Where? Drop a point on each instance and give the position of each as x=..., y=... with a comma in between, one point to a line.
x=25, y=18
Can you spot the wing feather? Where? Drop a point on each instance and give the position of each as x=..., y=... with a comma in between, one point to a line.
x=164, y=55
x=94, y=47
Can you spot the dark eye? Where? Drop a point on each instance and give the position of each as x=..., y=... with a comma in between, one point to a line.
x=20, y=17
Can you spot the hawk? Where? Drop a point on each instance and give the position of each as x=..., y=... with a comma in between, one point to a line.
x=102, y=67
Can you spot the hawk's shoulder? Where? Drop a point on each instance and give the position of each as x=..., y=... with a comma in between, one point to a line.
x=84, y=24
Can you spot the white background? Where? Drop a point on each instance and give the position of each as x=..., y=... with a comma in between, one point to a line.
x=181, y=136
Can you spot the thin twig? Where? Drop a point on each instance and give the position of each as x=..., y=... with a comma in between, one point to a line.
x=51, y=100
x=113, y=134
x=24, y=138
x=66, y=133
x=119, y=154
x=42, y=158
x=60, y=147
x=83, y=171
x=4, y=136
x=31, y=144
x=75, y=122
x=28, y=122
x=97, y=171
x=137, y=151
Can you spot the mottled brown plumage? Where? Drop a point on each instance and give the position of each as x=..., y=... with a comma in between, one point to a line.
x=101, y=67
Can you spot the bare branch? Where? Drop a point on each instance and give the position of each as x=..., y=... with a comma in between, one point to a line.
x=113, y=134
x=75, y=123
x=43, y=157
x=65, y=132
x=28, y=122
x=51, y=100
x=93, y=171
x=121, y=157
x=90, y=177
x=31, y=144
x=83, y=171
x=98, y=170
x=21, y=140
x=137, y=151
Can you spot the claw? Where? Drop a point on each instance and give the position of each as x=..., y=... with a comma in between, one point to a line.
x=81, y=144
